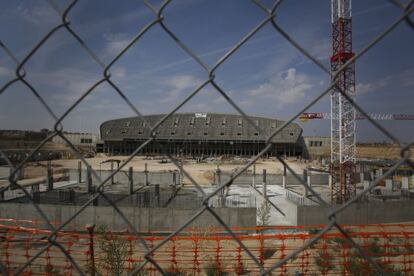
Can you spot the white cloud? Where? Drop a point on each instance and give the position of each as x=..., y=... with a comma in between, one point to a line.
x=364, y=88
x=404, y=78
x=67, y=84
x=38, y=14
x=286, y=87
x=176, y=85
x=407, y=77
x=5, y=72
x=119, y=72
x=115, y=43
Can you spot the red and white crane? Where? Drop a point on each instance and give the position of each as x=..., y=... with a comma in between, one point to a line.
x=343, y=115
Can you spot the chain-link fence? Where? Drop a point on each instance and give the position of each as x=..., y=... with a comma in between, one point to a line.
x=269, y=20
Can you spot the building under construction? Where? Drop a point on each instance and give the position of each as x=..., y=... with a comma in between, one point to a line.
x=200, y=134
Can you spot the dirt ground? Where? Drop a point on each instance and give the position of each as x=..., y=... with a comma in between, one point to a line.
x=379, y=152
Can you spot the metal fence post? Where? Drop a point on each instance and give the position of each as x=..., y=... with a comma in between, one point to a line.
x=90, y=228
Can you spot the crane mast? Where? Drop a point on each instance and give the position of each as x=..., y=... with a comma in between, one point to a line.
x=343, y=114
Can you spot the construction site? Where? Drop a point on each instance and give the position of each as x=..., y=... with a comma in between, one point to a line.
x=213, y=193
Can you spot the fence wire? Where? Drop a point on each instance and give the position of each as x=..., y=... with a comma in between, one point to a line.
x=269, y=19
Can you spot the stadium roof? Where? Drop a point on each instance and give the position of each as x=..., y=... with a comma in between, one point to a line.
x=200, y=126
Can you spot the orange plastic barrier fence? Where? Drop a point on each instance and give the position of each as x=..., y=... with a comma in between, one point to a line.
x=205, y=251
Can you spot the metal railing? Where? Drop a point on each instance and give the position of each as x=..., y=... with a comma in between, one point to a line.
x=269, y=20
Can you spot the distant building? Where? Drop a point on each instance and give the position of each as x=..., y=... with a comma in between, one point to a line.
x=78, y=139
x=317, y=146
x=19, y=144
x=195, y=134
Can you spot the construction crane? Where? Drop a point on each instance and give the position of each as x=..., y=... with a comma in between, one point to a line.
x=305, y=117
x=343, y=115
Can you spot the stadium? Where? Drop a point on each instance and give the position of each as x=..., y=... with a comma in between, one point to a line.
x=200, y=134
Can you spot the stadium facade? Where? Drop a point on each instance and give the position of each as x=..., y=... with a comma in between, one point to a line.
x=200, y=134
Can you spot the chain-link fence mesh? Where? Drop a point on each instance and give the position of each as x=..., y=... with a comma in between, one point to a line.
x=51, y=238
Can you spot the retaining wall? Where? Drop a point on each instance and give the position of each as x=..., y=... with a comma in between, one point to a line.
x=357, y=213
x=143, y=219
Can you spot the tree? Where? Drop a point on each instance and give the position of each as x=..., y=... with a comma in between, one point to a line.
x=263, y=213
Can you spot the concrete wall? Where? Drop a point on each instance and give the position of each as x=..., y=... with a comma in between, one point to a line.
x=144, y=219
x=77, y=139
x=357, y=213
x=319, y=179
x=317, y=146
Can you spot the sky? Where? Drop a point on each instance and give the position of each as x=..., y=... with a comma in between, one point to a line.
x=265, y=77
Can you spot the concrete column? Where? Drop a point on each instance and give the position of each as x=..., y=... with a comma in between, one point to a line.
x=131, y=180
x=254, y=175
x=361, y=177
x=218, y=172
x=174, y=183
x=305, y=178
x=388, y=184
x=79, y=172
x=378, y=173
x=264, y=183
x=174, y=176
x=366, y=184
x=404, y=183
x=112, y=170
x=157, y=194
x=88, y=179
x=72, y=196
x=372, y=176
x=49, y=176
x=221, y=194
x=284, y=177
x=35, y=188
x=95, y=202
x=36, y=197
x=181, y=173
x=146, y=174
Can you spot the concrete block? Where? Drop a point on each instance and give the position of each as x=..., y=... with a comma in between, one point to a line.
x=404, y=183
x=378, y=173
x=388, y=184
